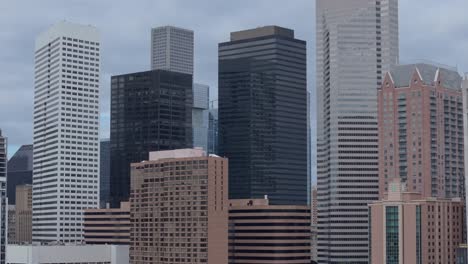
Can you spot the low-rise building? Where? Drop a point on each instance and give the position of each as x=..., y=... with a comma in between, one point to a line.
x=67, y=254
x=108, y=225
x=406, y=228
x=264, y=233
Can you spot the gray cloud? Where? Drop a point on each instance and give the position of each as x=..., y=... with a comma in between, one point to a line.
x=430, y=29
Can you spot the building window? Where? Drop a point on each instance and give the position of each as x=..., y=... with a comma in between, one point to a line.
x=392, y=234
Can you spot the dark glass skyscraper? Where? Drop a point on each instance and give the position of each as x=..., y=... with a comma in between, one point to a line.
x=263, y=114
x=150, y=111
x=19, y=171
x=104, y=172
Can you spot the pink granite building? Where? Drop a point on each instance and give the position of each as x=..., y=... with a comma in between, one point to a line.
x=409, y=229
x=421, y=130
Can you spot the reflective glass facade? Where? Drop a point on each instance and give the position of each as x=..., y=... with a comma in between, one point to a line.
x=392, y=234
x=263, y=114
x=150, y=111
x=104, y=173
x=19, y=171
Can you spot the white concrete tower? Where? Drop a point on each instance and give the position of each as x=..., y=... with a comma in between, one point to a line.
x=3, y=198
x=172, y=49
x=66, y=131
x=357, y=42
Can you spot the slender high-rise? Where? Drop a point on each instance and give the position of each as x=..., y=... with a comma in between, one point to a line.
x=172, y=49
x=66, y=131
x=357, y=42
x=3, y=197
x=263, y=114
x=200, y=115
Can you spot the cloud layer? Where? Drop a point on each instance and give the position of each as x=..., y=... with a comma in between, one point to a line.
x=429, y=29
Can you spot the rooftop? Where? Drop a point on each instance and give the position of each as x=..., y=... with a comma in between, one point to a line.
x=450, y=78
x=262, y=32
x=176, y=154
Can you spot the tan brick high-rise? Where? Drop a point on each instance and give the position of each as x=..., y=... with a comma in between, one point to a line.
x=421, y=130
x=179, y=208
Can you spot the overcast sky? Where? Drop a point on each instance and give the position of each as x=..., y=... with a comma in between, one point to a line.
x=432, y=30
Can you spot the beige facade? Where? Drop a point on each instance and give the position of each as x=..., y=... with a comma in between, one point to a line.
x=23, y=214
x=179, y=208
x=407, y=229
x=108, y=225
x=421, y=130
x=263, y=233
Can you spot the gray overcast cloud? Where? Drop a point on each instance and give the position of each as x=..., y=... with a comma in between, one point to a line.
x=429, y=29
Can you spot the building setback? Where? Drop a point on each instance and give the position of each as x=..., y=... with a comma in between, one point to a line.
x=407, y=228
x=107, y=225
x=66, y=131
x=356, y=43
x=20, y=168
x=150, y=111
x=264, y=233
x=263, y=114
x=421, y=130
x=23, y=214
x=172, y=49
x=179, y=208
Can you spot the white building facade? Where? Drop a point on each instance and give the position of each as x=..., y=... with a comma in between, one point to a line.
x=357, y=42
x=66, y=131
x=200, y=122
x=172, y=49
x=3, y=197
x=72, y=254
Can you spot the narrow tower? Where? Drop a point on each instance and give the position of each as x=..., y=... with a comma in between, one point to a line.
x=66, y=131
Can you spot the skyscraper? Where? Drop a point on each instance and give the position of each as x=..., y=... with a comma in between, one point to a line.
x=421, y=130
x=104, y=173
x=179, y=208
x=465, y=137
x=263, y=114
x=357, y=42
x=3, y=197
x=150, y=111
x=20, y=168
x=66, y=131
x=172, y=49
x=201, y=93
